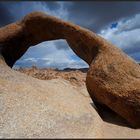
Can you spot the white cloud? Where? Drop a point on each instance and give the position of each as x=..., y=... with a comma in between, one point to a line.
x=129, y=24
x=125, y=36
x=63, y=59
x=47, y=55
x=30, y=59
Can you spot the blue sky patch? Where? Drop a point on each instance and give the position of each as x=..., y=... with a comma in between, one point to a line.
x=114, y=25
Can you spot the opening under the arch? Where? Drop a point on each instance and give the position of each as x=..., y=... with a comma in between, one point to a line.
x=51, y=54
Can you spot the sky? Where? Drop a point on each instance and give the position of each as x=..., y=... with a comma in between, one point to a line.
x=118, y=22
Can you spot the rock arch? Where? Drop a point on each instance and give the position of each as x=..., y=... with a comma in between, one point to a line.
x=113, y=78
x=38, y=27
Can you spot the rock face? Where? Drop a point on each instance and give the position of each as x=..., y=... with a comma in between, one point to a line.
x=113, y=78
x=32, y=108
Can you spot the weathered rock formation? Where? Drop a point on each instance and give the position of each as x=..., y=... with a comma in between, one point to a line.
x=33, y=108
x=113, y=78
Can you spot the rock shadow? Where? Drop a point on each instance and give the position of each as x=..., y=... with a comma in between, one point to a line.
x=109, y=115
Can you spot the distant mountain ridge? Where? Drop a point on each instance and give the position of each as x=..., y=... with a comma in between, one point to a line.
x=73, y=69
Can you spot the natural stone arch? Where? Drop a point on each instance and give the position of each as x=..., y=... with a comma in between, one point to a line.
x=113, y=78
x=38, y=27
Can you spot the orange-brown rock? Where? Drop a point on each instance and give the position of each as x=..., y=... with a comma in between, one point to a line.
x=113, y=78
x=75, y=76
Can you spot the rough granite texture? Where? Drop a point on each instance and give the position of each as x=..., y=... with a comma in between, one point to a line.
x=32, y=108
x=113, y=78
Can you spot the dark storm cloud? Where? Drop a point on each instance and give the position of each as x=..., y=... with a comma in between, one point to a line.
x=93, y=15
x=136, y=56
x=12, y=11
x=97, y=15
x=52, y=5
x=5, y=16
x=133, y=49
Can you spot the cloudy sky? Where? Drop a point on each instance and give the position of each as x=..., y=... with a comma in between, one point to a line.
x=118, y=22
